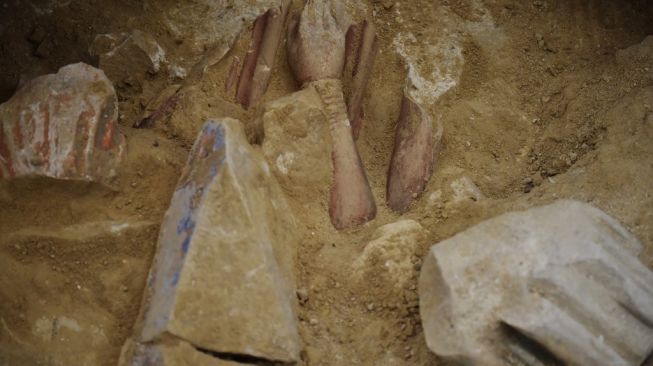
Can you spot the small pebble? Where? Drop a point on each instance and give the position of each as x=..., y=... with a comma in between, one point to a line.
x=302, y=296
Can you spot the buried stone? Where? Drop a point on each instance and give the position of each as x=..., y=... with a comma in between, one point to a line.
x=222, y=276
x=62, y=126
x=557, y=284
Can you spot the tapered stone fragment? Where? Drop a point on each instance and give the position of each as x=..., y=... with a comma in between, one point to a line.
x=361, y=48
x=416, y=142
x=259, y=62
x=62, y=126
x=558, y=284
x=222, y=278
x=316, y=53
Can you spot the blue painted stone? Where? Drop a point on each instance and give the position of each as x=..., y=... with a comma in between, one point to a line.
x=222, y=278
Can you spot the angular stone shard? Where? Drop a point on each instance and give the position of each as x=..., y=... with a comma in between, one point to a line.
x=62, y=126
x=128, y=55
x=222, y=278
x=555, y=284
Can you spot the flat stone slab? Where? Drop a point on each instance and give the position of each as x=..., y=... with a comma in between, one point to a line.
x=62, y=126
x=222, y=278
x=559, y=283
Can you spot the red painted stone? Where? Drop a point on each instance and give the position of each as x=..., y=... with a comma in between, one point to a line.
x=62, y=126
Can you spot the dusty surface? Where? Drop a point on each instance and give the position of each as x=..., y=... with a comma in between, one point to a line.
x=536, y=99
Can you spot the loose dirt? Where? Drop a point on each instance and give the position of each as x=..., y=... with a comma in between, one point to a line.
x=552, y=99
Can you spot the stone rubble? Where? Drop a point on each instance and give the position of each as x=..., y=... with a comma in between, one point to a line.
x=62, y=126
x=391, y=252
x=222, y=278
x=560, y=282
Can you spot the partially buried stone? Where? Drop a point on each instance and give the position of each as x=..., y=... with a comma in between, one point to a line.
x=128, y=55
x=298, y=144
x=222, y=278
x=558, y=284
x=62, y=126
x=388, y=257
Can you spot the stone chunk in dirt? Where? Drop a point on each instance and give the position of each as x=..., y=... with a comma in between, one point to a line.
x=62, y=126
x=222, y=278
x=391, y=253
x=128, y=55
x=555, y=283
x=297, y=144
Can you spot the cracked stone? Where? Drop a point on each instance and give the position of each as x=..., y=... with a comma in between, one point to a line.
x=555, y=283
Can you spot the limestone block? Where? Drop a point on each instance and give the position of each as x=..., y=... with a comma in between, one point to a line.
x=222, y=278
x=298, y=144
x=62, y=126
x=560, y=283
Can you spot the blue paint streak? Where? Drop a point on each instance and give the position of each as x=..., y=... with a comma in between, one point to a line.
x=185, y=245
x=186, y=223
x=219, y=142
x=175, y=278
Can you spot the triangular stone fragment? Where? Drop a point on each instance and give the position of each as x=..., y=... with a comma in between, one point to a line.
x=222, y=278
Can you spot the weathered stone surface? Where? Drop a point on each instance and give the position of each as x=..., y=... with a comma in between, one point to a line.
x=391, y=253
x=63, y=126
x=298, y=144
x=222, y=278
x=556, y=283
x=128, y=55
x=174, y=353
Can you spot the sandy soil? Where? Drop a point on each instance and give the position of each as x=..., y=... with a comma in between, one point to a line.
x=550, y=99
